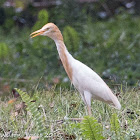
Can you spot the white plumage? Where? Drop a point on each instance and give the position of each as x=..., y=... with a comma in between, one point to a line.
x=86, y=81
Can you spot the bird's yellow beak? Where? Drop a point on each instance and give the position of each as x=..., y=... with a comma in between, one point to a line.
x=36, y=33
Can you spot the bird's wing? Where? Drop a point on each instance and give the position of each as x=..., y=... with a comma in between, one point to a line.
x=82, y=73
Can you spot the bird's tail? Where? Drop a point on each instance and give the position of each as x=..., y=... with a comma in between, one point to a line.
x=116, y=102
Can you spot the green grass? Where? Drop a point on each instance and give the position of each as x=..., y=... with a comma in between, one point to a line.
x=55, y=105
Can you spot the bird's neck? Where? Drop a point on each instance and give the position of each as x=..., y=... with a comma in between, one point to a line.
x=65, y=57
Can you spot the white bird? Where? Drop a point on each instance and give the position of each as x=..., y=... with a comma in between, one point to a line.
x=89, y=84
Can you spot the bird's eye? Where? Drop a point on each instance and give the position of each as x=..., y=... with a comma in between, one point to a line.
x=48, y=28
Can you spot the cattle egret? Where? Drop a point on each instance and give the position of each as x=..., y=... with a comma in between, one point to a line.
x=89, y=84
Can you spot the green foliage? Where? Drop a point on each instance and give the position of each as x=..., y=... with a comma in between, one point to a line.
x=4, y=51
x=112, y=48
x=9, y=23
x=33, y=109
x=71, y=38
x=91, y=129
x=69, y=13
x=7, y=19
x=115, y=126
x=1, y=2
x=42, y=20
x=21, y=4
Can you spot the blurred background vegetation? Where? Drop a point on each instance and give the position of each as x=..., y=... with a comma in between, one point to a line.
x=103, y=34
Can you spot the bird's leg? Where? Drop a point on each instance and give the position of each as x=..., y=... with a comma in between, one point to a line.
x=89, y=110
x=87, y=96
x=87, y=100
x=79, y=119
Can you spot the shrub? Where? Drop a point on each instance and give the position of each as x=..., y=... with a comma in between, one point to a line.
x=71, y=38
x=42, y=20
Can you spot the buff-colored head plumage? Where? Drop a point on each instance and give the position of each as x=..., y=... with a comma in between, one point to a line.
x=50, y=30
